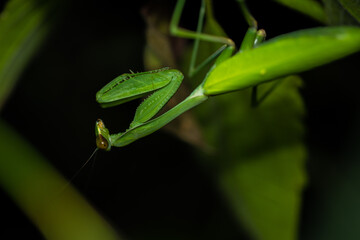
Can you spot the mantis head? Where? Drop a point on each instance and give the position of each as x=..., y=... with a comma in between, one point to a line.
x=103, y=140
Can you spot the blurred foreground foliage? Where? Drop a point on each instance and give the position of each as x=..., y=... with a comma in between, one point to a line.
x=44, y=196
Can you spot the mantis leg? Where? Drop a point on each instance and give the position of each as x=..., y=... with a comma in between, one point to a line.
x=255, y=101
x=198, y=35
x=251, y=37
x=254, y=38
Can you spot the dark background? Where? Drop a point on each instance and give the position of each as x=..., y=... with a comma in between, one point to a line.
x=155, y=187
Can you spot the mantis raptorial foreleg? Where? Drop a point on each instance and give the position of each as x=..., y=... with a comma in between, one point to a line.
x=162, y=83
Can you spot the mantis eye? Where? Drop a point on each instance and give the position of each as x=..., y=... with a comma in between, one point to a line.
x=101, y=142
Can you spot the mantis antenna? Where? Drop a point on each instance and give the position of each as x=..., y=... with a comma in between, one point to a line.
x=78, y=171
x=85, y=163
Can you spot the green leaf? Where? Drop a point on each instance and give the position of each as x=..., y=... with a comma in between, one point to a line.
x=44, y=196
x=23, y=27
x=353, y=7
x=311, y=8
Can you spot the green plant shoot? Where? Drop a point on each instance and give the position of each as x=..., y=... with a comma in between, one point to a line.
x=253, y=64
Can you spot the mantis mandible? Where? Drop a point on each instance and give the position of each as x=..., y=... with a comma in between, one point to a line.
x=255, y=63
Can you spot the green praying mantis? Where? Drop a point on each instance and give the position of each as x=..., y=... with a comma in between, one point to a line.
x=255, y=63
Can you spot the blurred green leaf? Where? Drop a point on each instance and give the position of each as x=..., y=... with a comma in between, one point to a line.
x=23, y=27
x=47, y=199
x=260, y=157
x=261, y=160
x=311, y=8
x=353, y=7
x=336, y=14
